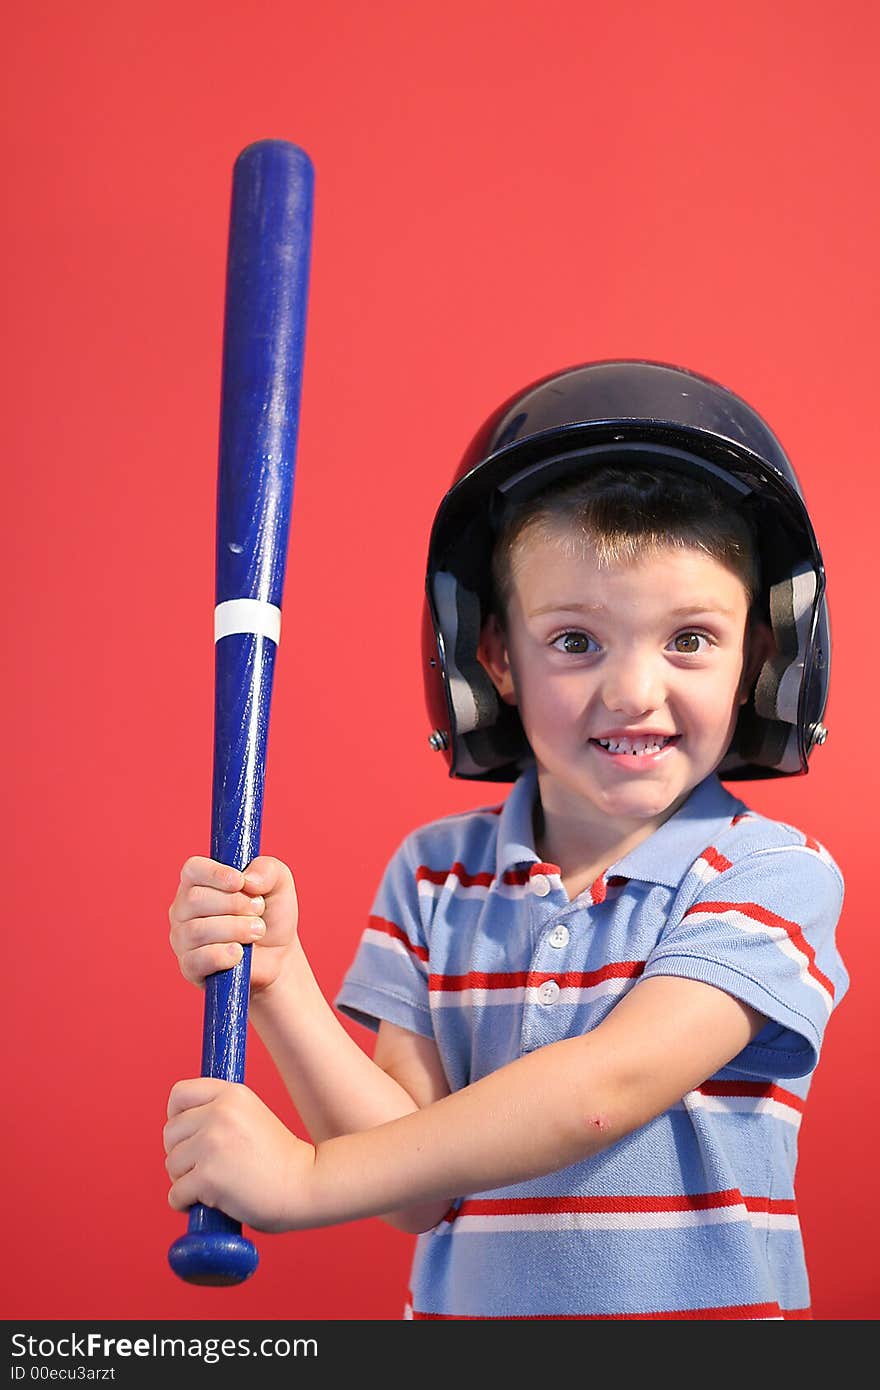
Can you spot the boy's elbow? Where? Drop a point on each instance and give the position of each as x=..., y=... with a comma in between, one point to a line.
x=415, y=1221
x=598, y=1123
x=610, y=1100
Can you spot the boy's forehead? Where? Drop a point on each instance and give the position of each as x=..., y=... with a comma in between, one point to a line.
x=550, y=574
x=538, y=550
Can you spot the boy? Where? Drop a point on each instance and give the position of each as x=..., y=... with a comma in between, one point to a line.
x=599, y=1005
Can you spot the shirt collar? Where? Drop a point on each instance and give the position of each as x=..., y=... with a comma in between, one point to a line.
x=516, y=835
x=663, y=857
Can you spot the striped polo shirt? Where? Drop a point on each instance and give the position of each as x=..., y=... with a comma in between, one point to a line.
x=474, y=943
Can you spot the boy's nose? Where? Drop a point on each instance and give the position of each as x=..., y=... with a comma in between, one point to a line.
x=632, y=687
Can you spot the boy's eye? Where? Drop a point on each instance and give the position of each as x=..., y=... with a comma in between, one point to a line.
x=688, y=643
x=575, y=643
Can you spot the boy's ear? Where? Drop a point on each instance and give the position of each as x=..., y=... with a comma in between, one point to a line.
x=492, y=656
x=760, y=645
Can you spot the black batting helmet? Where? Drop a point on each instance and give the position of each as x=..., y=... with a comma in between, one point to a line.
x=639, y=414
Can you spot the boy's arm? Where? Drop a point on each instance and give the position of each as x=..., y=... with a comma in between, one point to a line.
x=551, y=1108
x=336, y=1087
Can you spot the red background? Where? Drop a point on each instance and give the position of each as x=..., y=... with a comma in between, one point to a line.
x=501, y=190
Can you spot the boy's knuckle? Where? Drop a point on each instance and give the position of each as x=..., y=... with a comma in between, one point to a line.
x=200, y=962
x=197, y=961
x=198, y=931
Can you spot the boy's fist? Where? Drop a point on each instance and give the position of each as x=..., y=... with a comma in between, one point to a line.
x=225, y=1148
x=217, y=910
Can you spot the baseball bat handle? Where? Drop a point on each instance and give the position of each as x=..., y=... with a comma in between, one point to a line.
x=263, y=349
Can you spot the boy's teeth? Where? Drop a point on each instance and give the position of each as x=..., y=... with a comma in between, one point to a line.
x=633, y=745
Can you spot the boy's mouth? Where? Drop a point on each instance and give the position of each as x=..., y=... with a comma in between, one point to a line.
x=637, y=747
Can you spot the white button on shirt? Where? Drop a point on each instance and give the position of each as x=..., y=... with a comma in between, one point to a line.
x=559, y=936
x=548, y=993
x=540, y=885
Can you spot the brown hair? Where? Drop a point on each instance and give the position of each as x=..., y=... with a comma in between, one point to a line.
x=624, y=513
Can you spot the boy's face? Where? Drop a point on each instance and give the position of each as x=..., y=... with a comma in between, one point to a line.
x=628, y=678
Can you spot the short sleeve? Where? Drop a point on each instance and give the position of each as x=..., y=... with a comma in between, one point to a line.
x=388, y=978
x=764, y=931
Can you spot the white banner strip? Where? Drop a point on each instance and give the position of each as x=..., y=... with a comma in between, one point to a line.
x=247, y=615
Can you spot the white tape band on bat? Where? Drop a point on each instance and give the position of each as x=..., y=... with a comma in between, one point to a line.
x=247, y=615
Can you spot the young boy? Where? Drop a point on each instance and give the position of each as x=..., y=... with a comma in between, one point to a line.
x=599, y=1005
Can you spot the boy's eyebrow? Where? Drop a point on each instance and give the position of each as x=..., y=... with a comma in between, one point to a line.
x=688, y=610
x=567, y=608
x=712, y=606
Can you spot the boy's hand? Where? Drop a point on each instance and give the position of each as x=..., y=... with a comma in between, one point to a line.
x=218, y=909
x=226, y=1149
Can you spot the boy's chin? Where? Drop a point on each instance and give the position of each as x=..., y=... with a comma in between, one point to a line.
x=645, y=798
x=644, y=803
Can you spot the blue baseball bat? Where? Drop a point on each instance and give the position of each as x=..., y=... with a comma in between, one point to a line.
x=267, y=275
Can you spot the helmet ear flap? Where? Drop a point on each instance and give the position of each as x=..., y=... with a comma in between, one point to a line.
x=792, y=603
x=767, y=729
x=486, y=739
x=474, y=697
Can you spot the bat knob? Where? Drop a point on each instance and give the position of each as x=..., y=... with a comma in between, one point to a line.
x=213, y=1258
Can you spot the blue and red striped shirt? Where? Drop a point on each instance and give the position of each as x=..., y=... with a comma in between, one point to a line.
x=474, y=943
